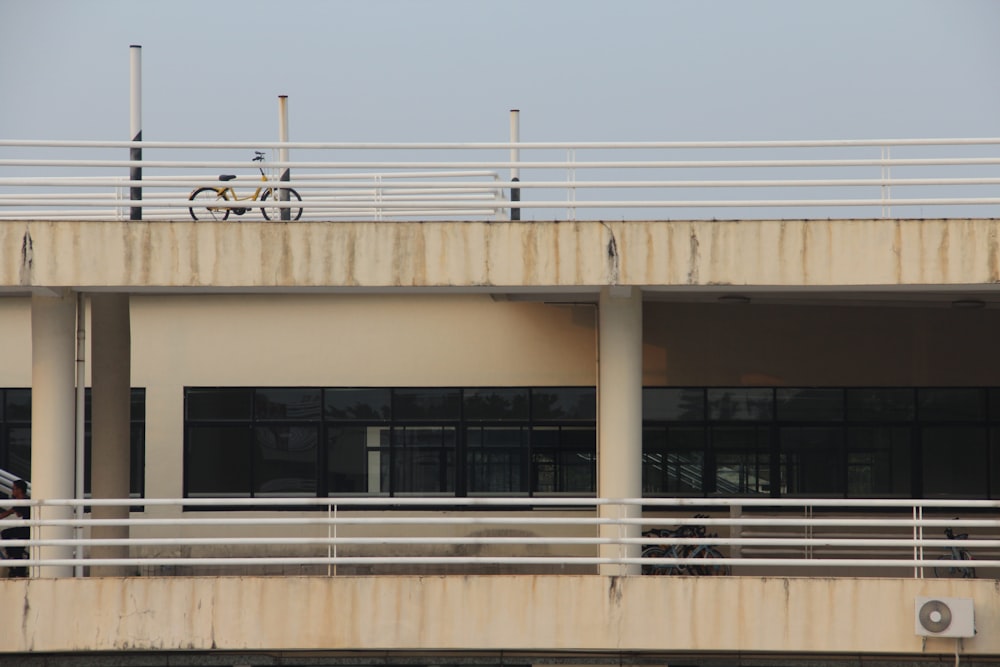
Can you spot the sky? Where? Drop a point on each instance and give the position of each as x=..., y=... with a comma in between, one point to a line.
x=449, y=70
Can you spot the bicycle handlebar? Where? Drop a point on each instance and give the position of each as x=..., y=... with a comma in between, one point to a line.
x=258, y=156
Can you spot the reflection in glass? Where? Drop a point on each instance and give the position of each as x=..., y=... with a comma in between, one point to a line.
x=740, y=404
x=564, y=403
x=673, y=460
x=812, y=461
x=955, y=461
x=423, y=459
x=496, y=404
x=496, y=460
x=285, y=460
x=287, y=404
x=878, y=461
x=742, y=460
x=357, y=404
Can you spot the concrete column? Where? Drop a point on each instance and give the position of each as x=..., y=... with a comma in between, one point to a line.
x=619, y=416
x=53, y=408
x=110, y=428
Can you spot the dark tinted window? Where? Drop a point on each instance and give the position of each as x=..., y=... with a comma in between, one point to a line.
x=218, y=460
x=876, y=404
x=576, y=403
x=819, y=405
x=426, y=404
x=287, y=404
x=673, y=404
x=741, y=404
x=496, y=404
x=18, y=405
x=951, y=404
x=357, y=404
x=220, y=404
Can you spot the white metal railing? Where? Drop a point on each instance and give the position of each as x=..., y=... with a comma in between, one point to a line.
x=917, y=178
x=391, y=535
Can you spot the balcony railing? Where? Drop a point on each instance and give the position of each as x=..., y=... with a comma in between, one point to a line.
x=879, y=178
x=331, y=536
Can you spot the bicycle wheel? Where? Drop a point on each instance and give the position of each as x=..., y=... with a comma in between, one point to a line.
x=709, y=568
x=656, y=568
x=951, y=568
x=208, y=207
x=274, y=212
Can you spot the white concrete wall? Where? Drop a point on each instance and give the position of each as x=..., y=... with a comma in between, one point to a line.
x=472, y=340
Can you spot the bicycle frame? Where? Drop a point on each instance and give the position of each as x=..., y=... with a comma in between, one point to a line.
x=231, y=192
x=217, y=202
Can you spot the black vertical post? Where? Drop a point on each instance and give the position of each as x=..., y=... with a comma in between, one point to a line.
x=515, y=157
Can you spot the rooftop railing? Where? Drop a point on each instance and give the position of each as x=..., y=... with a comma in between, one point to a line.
x=884, y=178
x=331, y=536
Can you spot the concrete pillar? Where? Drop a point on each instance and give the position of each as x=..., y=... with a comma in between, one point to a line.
x=53, y=409
x=110, y=425
x=619, y=416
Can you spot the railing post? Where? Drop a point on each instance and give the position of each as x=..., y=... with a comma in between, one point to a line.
x=515, y=157
x=286, y=172
x=135, y=121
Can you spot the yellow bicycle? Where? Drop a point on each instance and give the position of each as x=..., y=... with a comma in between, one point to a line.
x=215, y=203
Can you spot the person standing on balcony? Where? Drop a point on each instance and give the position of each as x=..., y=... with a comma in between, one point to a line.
x=18, y=492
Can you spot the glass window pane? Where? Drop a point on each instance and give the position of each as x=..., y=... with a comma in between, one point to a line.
x=137, y=410
x=955, y=462
x=995, y=462
x=810, y=404
x=357, y=404
x=19, y=451
x=287, y=404
x=742, y=460
x=496, y=404
x=879, y=461
x=347, y=459
x=812, y=461
x=880, y=404
x=426, y=404
x=672, y=404
x=673, y=460
x=967, y=404
x=576, y=403
x=219, y=404
x=423, y=460
x=137, y=460
x=218, y=461
x=496, y=460
x=285, y=460
x=564, y=460
x=18, y=408
x=741, y=404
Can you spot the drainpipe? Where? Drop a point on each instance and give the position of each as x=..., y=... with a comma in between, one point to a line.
x=81, y=389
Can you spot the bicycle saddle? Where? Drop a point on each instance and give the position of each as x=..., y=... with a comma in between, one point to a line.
x=227, y=177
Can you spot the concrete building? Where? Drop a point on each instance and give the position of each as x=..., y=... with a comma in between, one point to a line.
x=696, y=359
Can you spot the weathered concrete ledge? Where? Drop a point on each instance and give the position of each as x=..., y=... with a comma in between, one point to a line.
x=745, y=615
x=792, y=253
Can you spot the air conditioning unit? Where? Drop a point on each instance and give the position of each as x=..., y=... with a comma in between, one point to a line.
x=944, y=617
